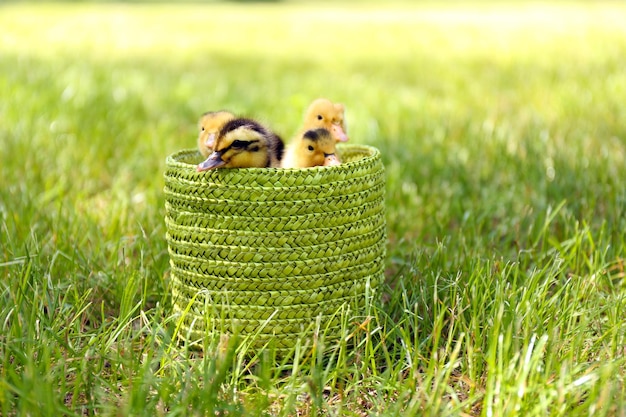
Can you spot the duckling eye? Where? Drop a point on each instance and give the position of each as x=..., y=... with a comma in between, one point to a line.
x=203, y=128
x=319, y=117
x=311, y=148
x=239, y=144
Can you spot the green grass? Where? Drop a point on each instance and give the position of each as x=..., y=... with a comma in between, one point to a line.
x=503, y=132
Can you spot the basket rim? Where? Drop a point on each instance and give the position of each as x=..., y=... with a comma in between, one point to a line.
x=174, y=161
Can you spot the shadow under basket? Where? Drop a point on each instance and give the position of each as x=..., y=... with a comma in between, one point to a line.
x=268, y=253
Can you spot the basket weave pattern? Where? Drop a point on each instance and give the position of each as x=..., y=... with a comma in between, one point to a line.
x=267, y=251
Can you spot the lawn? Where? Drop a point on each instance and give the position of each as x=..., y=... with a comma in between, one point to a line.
x=502, y=128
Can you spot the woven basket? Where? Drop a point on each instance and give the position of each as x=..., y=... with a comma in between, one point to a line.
x=266, y=252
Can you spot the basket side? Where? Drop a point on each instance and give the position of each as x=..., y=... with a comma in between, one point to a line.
x=266, y=252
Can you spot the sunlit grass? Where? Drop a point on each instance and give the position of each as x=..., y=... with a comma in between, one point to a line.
x=503, y=132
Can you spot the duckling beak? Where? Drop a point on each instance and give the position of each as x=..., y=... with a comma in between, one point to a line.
x=210, y=141
x=338, y=133
x=213, y=161
x=330, y=159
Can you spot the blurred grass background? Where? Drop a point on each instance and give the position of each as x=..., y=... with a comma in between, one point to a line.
x=502, y=128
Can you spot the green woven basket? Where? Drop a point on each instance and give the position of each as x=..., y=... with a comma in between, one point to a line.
x=266, y=252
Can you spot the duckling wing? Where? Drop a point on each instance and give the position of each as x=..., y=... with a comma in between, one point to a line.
x=279, y=150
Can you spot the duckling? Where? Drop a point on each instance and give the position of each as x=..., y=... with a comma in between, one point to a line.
x=324, y=113
x=244, y=143
x=209, y=124
x=314, y=148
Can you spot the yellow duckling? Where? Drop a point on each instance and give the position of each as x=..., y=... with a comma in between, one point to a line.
x=314, y=148
x=323, y=113
x=209, y=124
x=244, y=143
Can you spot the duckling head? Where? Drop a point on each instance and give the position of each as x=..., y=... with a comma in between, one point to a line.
x=209, y=125
x=241, y=143
x=318, y=149
x=322, y=113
